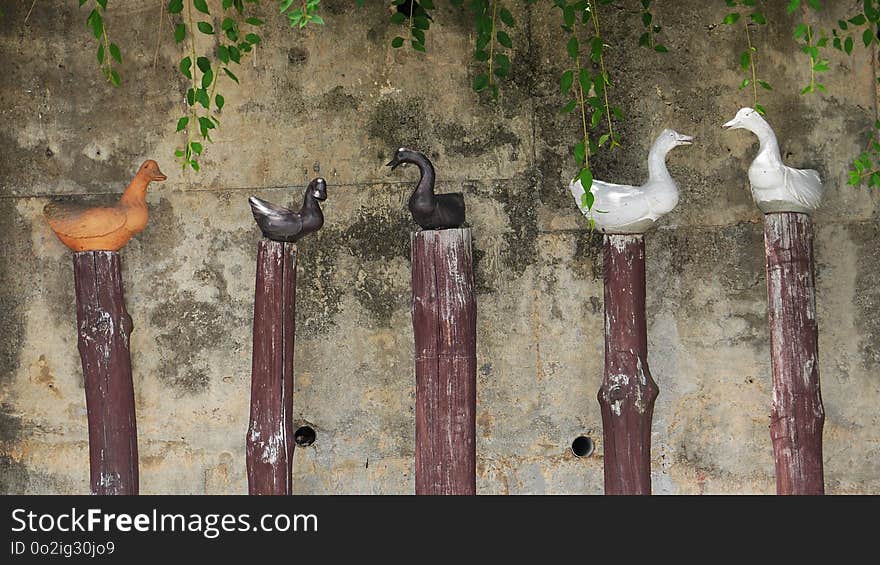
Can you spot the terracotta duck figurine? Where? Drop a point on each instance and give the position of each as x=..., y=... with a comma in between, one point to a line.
x=105, y=229
x=775, y=186
x=280, y=224
x=623, y=209
x=429, y=210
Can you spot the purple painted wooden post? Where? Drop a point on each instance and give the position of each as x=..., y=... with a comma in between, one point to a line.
x=445, y=328
x=797, y=415
x=104, y=329
x=270, y=443
x=628, y=392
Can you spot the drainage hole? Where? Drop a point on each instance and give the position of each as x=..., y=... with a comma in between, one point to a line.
x=304, y=436
x=582, y=446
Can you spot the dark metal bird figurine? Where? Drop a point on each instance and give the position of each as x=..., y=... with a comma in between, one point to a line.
x=429, y=210
x=280, y=224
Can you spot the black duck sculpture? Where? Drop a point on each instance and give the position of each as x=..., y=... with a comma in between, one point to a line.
x=429, y=210
x=281, y=224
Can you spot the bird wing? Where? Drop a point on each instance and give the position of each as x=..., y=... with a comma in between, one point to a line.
x=615, y=204
x=78, y=222
x=258, y=205
x=805, y=186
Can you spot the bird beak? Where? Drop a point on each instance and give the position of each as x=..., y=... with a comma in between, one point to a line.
x=160, y=176
x=393, y=163
x=732, y=124
x=685, y=140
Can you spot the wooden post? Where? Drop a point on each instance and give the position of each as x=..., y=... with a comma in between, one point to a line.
x=628, y=392
x=445, y=328
x=104, y=329
x=797, y=415
x=270, y=442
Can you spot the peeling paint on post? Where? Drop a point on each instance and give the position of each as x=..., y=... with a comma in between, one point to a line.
x=270, y=442
x=628, y=392
x=104, y=332
x=797, y=415
x=445, y=328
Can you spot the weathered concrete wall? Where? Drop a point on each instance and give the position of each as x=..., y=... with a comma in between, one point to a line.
x=338, y=100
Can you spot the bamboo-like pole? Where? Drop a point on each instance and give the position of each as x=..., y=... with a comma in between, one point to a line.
x=628, y=392
x=445, y=325
x=104, y=329
x=797, y=415
x=270, y=442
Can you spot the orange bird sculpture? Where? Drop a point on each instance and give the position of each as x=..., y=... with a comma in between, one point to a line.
x=105, y=229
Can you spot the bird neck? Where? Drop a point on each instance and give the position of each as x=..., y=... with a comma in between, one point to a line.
x=136, y=192
x=424, y=191
x=311, y=205
x=657, y=171
x=767, y=138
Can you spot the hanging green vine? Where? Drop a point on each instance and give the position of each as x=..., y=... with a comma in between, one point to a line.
x=588, y=82
x=203, y=101
x=107, y=50
x=649, y=37
x=304, y=15
x=415, y=16
x=748, y=58
x=491, y=42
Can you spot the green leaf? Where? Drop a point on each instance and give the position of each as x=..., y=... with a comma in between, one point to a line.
x=765, y=85
x=398, y=18
x=568, y=107
x=481, y=82
x=398, y=42
x=203, y=64
x=174, y=6
x=573, y=47
x=758, y=18
x=580, y=153
x=196, y=147
x=793, y=5
x=868, y=37
x=96, y=23
x=114, y=78
x=504, y=39
x=205, y=28
x=114, y=52
x=220, y=101
x=661, y=48
x=254, y=21
x=201, y=6
x=565, y=81
x=207, y=78
x=100, y=53
x=586, y=178
x=506, y=17
x=179, y=32
x=252, y=38
x=745, y=60
x=185, y=66
x=182, y=123
x=730, y=19
x=760, y=109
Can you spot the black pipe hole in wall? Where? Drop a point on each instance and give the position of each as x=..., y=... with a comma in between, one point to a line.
x=582, y=446
x=304, y=436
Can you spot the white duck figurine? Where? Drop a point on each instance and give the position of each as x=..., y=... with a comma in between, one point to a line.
x=623, y=209
x=775, y=186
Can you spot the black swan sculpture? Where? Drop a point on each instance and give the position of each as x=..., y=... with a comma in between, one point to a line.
x=280, y=224
x=429, y=210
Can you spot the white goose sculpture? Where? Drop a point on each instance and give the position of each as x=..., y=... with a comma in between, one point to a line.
x=775, y=186
x=623, y=209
